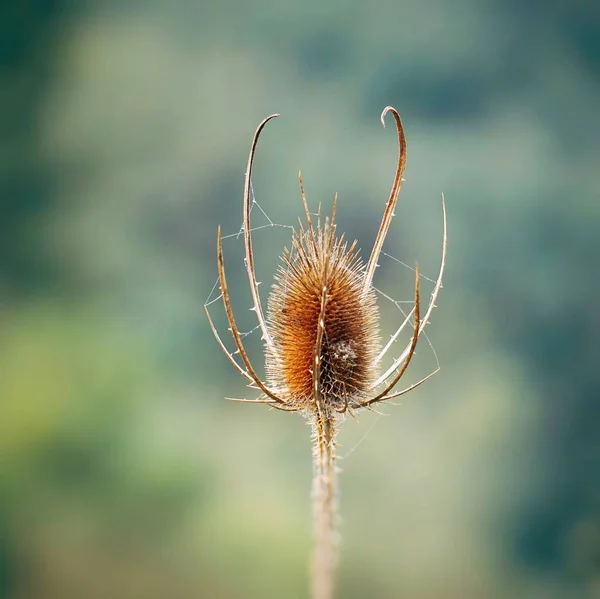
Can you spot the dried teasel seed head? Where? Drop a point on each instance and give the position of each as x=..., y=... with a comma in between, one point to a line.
x=322, y=339
x=321, y=331
x=321, y=319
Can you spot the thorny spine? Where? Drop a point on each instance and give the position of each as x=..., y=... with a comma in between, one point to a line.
x=325, y=508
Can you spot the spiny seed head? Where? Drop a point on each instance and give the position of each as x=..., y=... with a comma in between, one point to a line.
x=320, y=317
x=321, y=330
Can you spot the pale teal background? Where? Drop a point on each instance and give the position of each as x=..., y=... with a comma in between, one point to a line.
x=124, y=474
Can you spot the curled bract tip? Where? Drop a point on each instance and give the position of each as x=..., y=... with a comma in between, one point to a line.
x=384, y=113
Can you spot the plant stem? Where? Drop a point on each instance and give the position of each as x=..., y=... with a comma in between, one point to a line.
x=324, y=496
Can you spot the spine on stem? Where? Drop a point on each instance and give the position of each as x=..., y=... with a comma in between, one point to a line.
x=325, y=506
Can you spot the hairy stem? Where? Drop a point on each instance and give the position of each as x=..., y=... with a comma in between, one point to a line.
x=325, y=513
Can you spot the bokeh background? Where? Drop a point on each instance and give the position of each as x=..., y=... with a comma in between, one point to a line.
x=125, y=130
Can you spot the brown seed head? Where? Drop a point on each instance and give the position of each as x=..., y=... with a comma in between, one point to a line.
x=320, y=317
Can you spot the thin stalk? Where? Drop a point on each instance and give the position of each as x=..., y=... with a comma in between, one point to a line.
x=325, y=508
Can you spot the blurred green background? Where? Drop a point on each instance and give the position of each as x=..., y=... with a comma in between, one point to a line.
x=125, y=130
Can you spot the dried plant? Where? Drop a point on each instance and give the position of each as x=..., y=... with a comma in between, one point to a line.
x=321, y=335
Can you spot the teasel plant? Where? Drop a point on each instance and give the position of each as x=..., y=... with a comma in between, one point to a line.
x=321, y=337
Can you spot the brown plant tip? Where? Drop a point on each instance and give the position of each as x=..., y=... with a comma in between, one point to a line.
x=319, y=288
